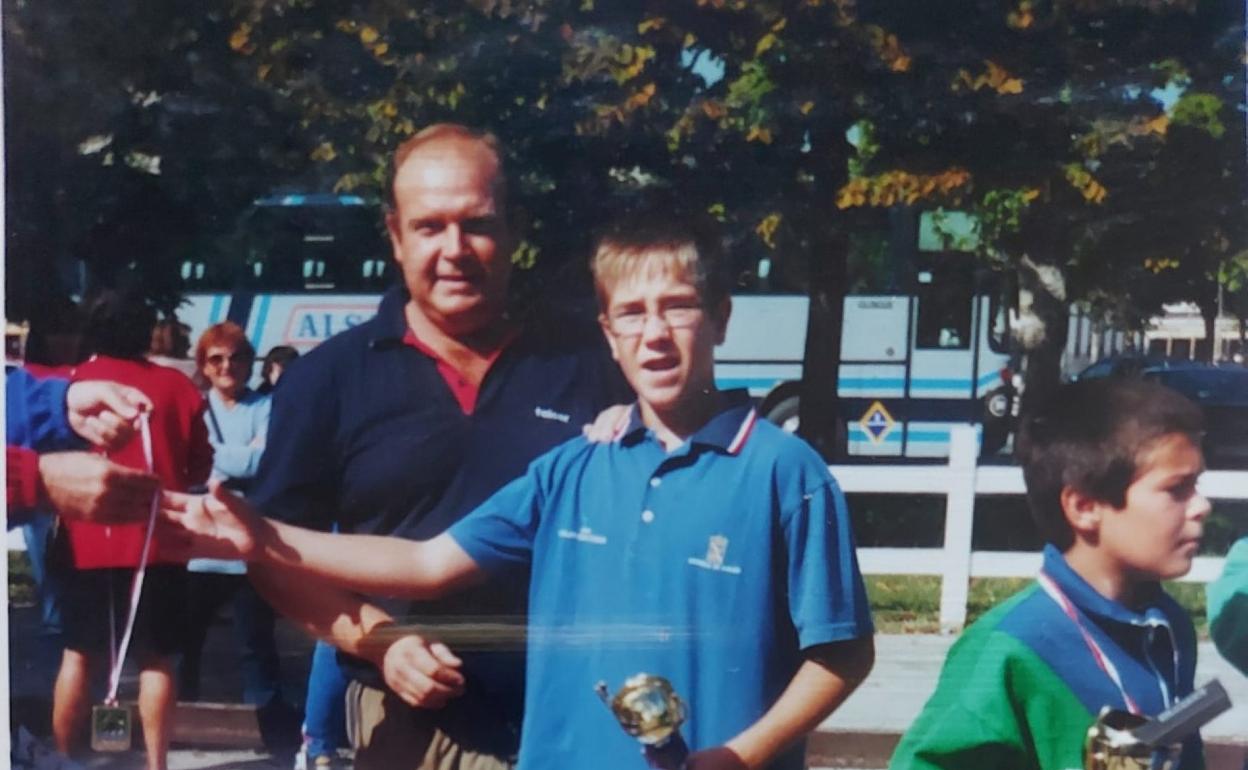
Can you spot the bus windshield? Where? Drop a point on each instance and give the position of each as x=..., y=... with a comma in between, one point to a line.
x=299, y=243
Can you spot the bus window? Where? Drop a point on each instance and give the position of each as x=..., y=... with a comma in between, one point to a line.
x=999, y=332
x=944, y=312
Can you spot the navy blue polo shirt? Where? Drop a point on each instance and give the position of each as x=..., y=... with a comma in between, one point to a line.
x=713, y=565
x=366, y=433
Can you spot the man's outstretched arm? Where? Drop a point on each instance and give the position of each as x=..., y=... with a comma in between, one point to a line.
x=423, y=672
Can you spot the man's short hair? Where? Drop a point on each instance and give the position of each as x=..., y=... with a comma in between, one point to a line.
x=1090, y=435
x=657, y=234
x=440, y=131
x=224, y=334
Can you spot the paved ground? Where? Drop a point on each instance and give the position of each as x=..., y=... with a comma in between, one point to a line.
x=907, y=667
x=859, y=735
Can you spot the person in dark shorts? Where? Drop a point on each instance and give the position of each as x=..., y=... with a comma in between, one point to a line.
x=103, y=557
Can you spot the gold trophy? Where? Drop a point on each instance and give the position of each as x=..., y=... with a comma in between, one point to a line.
x=648, y=708
x=1120, y=740
x=1111, y=745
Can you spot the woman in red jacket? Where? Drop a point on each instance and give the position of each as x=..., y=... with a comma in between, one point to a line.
x=104, y=557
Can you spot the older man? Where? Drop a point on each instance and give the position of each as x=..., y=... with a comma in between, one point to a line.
x=404, y=424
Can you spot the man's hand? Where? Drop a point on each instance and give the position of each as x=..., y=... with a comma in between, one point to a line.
x=81, y=485
x=218, y=525
x=606, y=424
x=424, y=674
x=104, y=412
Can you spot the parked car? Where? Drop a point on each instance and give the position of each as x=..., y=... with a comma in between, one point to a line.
x=1221, y=391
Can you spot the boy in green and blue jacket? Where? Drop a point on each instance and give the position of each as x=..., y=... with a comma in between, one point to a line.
x=1111, y=469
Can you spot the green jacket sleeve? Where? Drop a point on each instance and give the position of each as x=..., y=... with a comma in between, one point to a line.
x=997, y=705
x=1228, y=607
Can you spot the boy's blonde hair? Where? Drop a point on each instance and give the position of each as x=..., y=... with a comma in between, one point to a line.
x=660, y=243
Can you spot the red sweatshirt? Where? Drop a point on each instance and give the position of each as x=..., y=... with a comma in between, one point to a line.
x=181, y=455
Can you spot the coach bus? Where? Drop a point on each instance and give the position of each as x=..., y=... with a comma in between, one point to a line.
x=928, y=350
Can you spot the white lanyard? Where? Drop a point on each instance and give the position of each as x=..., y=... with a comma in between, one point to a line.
x=118, y=653
x=1102, y=660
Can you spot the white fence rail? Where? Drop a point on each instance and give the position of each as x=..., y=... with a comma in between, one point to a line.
x=960, y=482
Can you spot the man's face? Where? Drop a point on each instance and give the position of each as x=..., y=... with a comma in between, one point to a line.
x=227, y=369
x=662, y=336
x=1157, y=532
x=449, y=236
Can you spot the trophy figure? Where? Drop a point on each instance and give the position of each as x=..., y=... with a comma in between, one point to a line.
x=1120, y=740
x=1111, y=745
x=650, y=710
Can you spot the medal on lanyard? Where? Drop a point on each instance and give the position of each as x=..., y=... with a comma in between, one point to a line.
x=112, y=726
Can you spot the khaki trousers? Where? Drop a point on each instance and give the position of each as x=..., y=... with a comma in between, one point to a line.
x=388, y=734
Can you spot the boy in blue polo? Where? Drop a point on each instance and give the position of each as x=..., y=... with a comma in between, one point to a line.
x=1111, y=469
x=702, y=545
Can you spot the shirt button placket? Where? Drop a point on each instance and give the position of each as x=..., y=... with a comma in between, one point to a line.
x=647, y=513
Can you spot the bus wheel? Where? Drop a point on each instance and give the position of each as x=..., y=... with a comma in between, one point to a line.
x=785, y=414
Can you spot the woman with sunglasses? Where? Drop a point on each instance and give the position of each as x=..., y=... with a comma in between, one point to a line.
x=237, y=419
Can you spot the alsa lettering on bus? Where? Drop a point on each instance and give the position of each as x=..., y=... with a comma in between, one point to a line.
x=312, y=324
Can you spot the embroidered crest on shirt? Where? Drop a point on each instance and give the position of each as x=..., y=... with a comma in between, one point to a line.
x=716, y=552
x=583, y=535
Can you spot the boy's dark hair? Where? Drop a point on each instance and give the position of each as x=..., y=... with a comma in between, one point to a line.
x=118, y=323
x=1090, y=435
x=658, y=224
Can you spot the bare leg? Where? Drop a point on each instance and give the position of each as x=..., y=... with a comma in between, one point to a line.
x=71, y=700
x=157, y=696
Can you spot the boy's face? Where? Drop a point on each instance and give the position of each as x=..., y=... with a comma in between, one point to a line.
x=1156, y=534
x=662, y=336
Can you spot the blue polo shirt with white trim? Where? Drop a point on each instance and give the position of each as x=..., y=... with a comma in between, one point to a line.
x=713, y=565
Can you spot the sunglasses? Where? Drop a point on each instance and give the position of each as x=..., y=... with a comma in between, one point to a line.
x=234, y=358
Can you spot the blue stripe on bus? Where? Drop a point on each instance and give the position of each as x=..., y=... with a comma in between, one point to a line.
x=214, y=315
x=861, y=436
x=727, y=383
x=863, y=383
x=896, y=383
x=931, y=435
x=262, y=315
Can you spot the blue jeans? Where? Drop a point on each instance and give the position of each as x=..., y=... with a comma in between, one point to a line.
x=324, y=720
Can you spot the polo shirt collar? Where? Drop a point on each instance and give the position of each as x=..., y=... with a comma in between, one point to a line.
x=727, y=431
x=1092, y=603
x=391, y=321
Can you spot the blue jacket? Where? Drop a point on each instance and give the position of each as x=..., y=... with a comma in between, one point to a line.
x=34, y=413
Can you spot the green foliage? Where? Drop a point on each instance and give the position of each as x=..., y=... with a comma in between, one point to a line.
x=819, y=113
x=1200, y=111
x=910, y=604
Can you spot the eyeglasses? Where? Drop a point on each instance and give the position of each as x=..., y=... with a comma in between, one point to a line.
x=219, y=359
x=632, y=322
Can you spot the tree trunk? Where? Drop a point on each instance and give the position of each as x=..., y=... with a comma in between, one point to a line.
x=1046, y=326
x=819, y=417
x=1206, y=350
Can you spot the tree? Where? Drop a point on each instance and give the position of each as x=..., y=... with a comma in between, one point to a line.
x=1066, y=126
x=132, y=136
